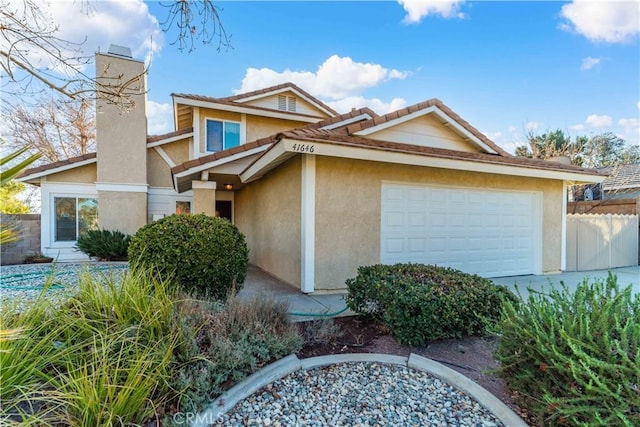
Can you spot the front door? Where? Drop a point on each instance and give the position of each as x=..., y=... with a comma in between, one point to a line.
x=223, y=209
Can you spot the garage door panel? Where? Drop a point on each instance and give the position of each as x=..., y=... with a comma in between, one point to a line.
x=487, y=232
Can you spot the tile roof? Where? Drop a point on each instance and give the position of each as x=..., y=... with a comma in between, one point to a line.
x=55, y=165
x=287, y=85
x=232, y=100
x=268, y=140
x=222, y=154
x=433, y=102
x=155, y=138
x=622, y=176
x=324, y=136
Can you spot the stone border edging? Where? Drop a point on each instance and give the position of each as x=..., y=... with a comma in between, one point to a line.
x=291, y=363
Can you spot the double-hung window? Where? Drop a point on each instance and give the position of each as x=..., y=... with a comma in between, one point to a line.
x=74, y=216
x=222, y=135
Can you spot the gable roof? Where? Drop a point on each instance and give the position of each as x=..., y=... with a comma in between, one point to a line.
x=55, y=167
x=240, y=100
x=353, y=146
x=426, y=107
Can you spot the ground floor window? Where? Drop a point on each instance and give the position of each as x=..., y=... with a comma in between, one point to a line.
x=74, y=216
x=183, y=207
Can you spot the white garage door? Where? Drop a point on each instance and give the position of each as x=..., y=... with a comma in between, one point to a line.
x=486, y=232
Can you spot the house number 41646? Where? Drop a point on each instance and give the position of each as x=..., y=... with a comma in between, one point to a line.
x=304, y=148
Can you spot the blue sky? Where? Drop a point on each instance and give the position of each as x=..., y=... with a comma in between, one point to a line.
x=506, y=67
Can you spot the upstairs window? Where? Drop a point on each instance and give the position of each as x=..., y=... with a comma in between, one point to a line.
x=222, y=135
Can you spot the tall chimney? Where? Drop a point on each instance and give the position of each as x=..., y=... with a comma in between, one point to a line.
x=121, y=139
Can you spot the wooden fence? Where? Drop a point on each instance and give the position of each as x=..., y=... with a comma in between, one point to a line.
x=597, y=242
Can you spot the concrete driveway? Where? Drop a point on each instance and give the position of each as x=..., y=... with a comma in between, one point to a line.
x=302, y=307
x=626, y=276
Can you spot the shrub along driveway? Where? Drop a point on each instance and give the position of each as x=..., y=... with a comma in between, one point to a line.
x=260, y=283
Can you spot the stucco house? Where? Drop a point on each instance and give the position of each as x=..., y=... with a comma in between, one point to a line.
x=316, y=193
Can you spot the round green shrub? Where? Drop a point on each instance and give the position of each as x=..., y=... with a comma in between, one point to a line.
x=205, y=256
x=421, y=303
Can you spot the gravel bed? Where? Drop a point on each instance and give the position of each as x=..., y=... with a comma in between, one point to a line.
x=359, y=394
x=23, y=283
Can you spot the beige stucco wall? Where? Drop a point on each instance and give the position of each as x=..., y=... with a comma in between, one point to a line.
x=119, y=132
x=82, y=175
x=178, y=151
x=425, y=131
x=348, y=211
x=158, y=171
x=267, y=211
x=122, y=211
x=261, y=127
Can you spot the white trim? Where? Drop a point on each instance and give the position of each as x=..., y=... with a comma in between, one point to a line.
x=433, y=109
x=122, y=187
x=307, y=224
x=168, y=191
x=243, y=129
x=263, y=162
x=346, y=122
x=57, y=170
x=252, y=111
x=223, y=121
x=169, y=140
x=63, y=250
x=219, y=162
x=196, y=134
x=563, y=228
x=365, y=153
x=165, y=156
x=203, y=185
x=282, y=90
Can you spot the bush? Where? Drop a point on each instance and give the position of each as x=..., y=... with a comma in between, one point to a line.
x=101, y=358
x=223, y=344
x=419, y=303
x=206, y=256
x=104, y=244
x=574, y=357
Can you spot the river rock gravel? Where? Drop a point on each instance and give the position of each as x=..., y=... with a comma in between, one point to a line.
x=359, y=394
x=21, y=284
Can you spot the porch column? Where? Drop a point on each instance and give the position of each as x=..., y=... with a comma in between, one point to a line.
x=563, y=227
x=204, y=197
x=308, y=224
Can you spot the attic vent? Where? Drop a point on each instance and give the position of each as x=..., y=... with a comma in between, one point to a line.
x=286, y=103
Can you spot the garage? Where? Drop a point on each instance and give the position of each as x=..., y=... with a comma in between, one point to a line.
x=488, y=232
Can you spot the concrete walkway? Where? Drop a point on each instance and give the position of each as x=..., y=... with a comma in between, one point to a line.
x=311, y=306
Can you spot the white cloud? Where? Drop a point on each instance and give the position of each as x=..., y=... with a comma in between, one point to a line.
x=603, y=21
x=597, y=121
x=577, y=128
x=93, y=26
x=531, y=126
x=345, y=105
x=159, y=118
x=589, y=62
x=336, y=78
x=418, y=9
x=631, y=129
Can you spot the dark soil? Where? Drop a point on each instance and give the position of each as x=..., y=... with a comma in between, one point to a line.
x=471, y=356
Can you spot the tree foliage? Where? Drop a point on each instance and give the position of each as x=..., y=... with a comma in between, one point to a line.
x=598, y=151
x=34, y=57
x=57, y=128
x=9, y=202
